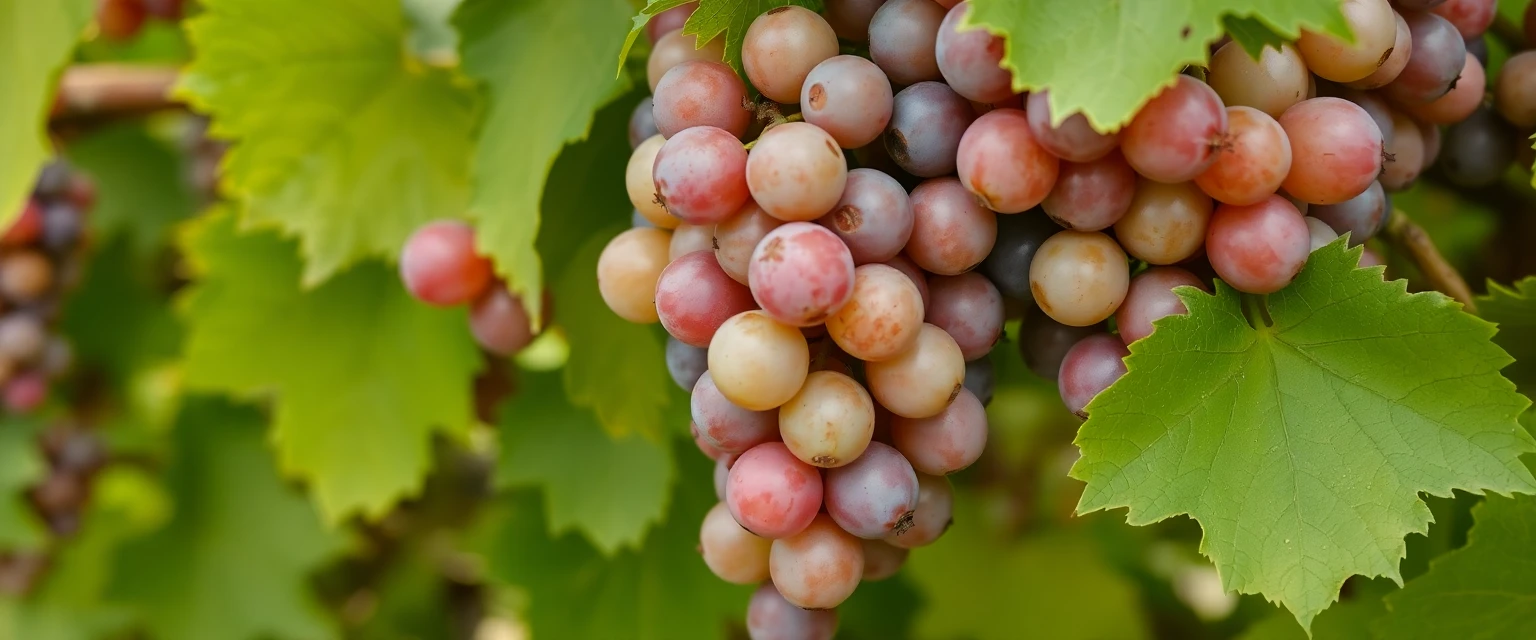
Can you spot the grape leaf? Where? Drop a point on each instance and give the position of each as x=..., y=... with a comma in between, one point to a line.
x=142, y=182
x=235, y=558
x=340, y=139
x=1056, y=585
x=143, y=332
x=1348, y=620
x=363, y=375
x=1252, y=34
x=659, y=592
x=1486, y=589
x=617, y=492
x=710, y=19
x=1106, y=59
x=21, y=466
x=38, y=37
x=1300, y=443
x=544, y=86
x=1513, y=308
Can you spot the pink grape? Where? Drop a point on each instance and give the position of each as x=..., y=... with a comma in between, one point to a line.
x=921, y=381
x=1000, y=161
x=1274, y=82
x=694, y=297
x=1079, y=278
x=1073, y=139
x=499, y=322
x=882, y=559
x=673, y=48
x=1439, y=53
x=874, y=216
x=1151, y=298
x=439, y=264
x=627, y=272
x=705, y=447
x=1336, y=150
x=1374, y=27
x=1465, y=96
x=1470, y=17
x=850, y=18
x=688, y=238
x=951, y=231
x=817, y=568
x=933, y=515
x=782, y=46
x=1320, y=233
x=919, y=279
x=883, y=316
x=1359, y=216
x=902, y=35
x=943, y=444
x=724, y=425
x=927, y=121
x=1175, y=136
x=971, y=60
x=738, y=236
x=772, y=493
x=771, y=617
x=1092, y=196
x=829, y=422
x=873, y=495
x=1166, y=222
x=701, y=93
x=700, y=175
x=796, y=172
x=1252, y=161
x=970, y=309
x=1397, y=59
x=669, y=20
x=758, y=362
x=850, y=98
x=801, y=273
x=1091, y=366
x=1258, y=248
x=732, y=553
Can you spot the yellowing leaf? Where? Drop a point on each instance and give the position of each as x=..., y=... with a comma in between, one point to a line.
x=37, y=38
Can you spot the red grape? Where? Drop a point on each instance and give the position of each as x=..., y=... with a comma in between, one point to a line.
x=1000, y=161
x=1175, y=136
x=1252, y=162
x=1336, y=150
x=772, y=493
x=701, y=175
x=1092, y=196
x=943, y=444
x=951, y=231
x=1258, y=248
x=439, y=264
x=694, y=297
x=1090, y=367
x=1151, y=298
x=801, y=273
x=874, y=495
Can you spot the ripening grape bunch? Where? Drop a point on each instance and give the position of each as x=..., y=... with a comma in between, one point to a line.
x=834, y=241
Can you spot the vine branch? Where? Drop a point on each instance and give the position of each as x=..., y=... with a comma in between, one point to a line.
x=91, y=91
x=1411, y=240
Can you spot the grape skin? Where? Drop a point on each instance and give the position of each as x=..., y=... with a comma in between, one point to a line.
x=771, y=617
x=694, y=297
x=1359, y=216
x=1336, y=150
x=1321, y=234
x=817, y=568
x=686, y=363
x=1252, y=162
x=882, y=559
x=700, y=175
x=796, y=172
x=873, y=217
x=850, y=98
x=970, y=309
x=1073, y=139
x=829, y=422
x=723, y=424
x=1479, y=149
x=499, y=322
x=1457, y=104
x=980, y=379
x=1091, y=196
x=732, y=553
x=1330, y=57
x=1079, y=278
x=1405, y=153
x=772, y=493
x=757, y=362
x=699, y=93
x=970, y=60
x=1090, y=367
x=1438, y=55
x=1166, y=223
x=1258, y=248
x=1470, y=17
x=951, y=231
x=902, y=36
x=640, y=183
x=874, y=495
x=627, y=272
x=782, y=46
x=1274, y=82
x=1018, y=238
x=673, y=49
x=642, y=123
x=1516, y=93
x=438, y=265
x=1402, y=51
x=1174, y=136
x=921, y=381
x=999, y=160
x=850, y=18
x=1151, y=298
x=933, y=515
x=801, y=273
x=882, y=318
x=669, y=21
x=738, y=236
x=927, y=121
x=943, y=444
x=688, y=238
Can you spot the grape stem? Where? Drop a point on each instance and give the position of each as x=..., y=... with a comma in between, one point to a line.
x=89, y=91
x=1411, y=240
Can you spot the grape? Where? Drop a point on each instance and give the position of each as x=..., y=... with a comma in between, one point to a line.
x=948, y=442
x=1402, y=50
x=933, y=515
x=1470, y=17
x=26, y=276
x=970, y=309
x=801, y=273
x=883, y=316
x=1320, y=233
x=874, y=495
x=1258, y=248
x=1252, y=162
x=980, y=379
x=688, y=238
x=782, y=46
x=22, y=337
x=874, y=216
x=694, y=297
x=638, y=220
x=686, y=363
x=1375, y=105
x=674, y=48
x=971, y=60
x=627, y=272
x=1018, y=238
x=1093, y=195
x=1438, y=55
x=701, y=93
x=817, y=568
x=1090, y=366
x=1079, y=278
x=1330, y=57
x=499, y=322
x=829, y=422
x=1151, y=298
x=1359, y=216
x=1274, y=82
x=120, y=20
x=700, y=175
x=438, y=265
x=1479, y=149
x=670, y=20
x=951, y=231
x=927, y=121
x=732, y=553
x=639, y=181
x=1000, y=161
x=1073, y=139
x=771, y=492
x=1416, y=5
x=1465, y=96
x=738, y=236
x=1478, y=47
x=757, y=362
x=922, y=380
x=771, y=617
x=850, y=98
x=902, y=36
x=1515, y=96
x=723, y=474
x=882, y=559
x=796, y=171
x=1175, y=136
x=850, y=18
x=1405, y=154
x=27, y=226
x=62, y=227
x=1432, y=143
x=916, y=275
x=26, y=392
x=1336, y=150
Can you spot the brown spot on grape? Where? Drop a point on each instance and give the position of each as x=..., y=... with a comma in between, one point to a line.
x=1039, y=295
x=778, y=10
x=896, y=145
x=824, y=461
x=904, y=522
x=714, y=243
x=661, y=200
x=774, y=250
x=1384, y=55
x=818, y=96
x=833, y=148
x=955, y=393
x=848, y=218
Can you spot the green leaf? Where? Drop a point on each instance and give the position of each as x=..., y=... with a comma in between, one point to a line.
x=142, y=182
x=38, y=37
x=341, y=140
x=1252, y=34
x=363, y=374
x=710, y=19
x=1514, y=310
x=545, y=65
x=1056, y=585
x=1301, y=444
x=143, y=331
x=1350, y=619
x=1486, y=589
x=659, y=592
x=1106, y=59
x=611, y=490
x=21, y=466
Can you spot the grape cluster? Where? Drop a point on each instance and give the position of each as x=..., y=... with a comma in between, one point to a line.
x=440, y=266
x=40, y=258
x=73, y=454
x=123, y=19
